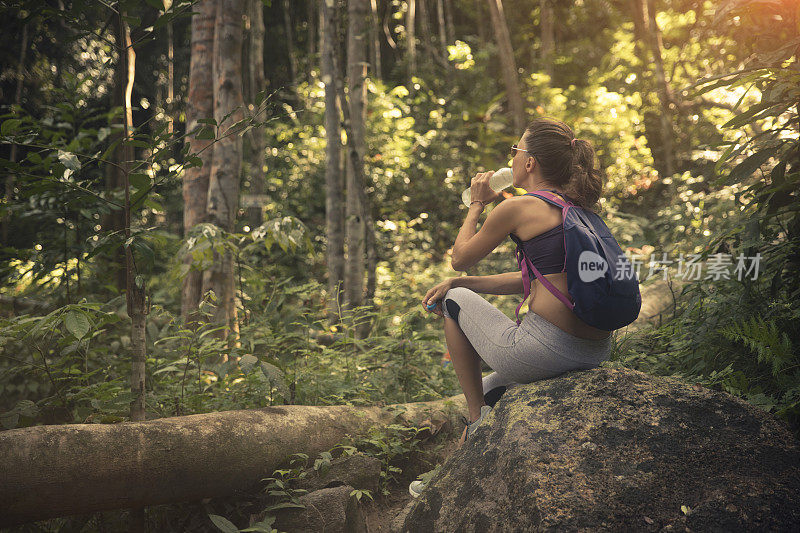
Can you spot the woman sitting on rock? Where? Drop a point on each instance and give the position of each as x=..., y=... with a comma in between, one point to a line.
x=550, y=339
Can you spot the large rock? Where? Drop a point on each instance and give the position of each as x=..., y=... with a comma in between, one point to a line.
x=617, y=449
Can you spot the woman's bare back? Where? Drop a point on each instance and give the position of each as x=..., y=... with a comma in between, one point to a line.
x=536, y=217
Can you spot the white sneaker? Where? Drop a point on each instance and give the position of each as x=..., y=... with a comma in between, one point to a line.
x=416, y=487
x=471, y=428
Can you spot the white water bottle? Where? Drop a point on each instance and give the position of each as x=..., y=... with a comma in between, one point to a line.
x=500, y=180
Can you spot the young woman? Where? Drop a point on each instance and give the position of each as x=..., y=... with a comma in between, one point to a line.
x=550, y=340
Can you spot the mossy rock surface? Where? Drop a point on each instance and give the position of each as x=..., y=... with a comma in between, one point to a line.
x=618, y=450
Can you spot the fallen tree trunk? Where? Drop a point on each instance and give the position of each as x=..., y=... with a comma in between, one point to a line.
x=53, y=471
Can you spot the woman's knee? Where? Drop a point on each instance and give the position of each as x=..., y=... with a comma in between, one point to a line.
x=450, y=305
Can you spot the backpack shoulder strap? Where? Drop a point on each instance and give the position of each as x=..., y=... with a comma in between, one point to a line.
x=550, y=198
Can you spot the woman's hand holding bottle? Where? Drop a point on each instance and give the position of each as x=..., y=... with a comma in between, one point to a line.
x=494, y=182
x=432, y=302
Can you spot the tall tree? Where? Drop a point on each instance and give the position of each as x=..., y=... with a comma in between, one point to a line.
x=648, y=37
x=427, y=35
x=257, y=84
x=448, y=12
x=374, y=24
x=170, y=66
x=134, y=285
x=411, y=40
x=287, y=27
x=135, y=291
x=356, y=146
x=223, y=185
x=479, y=18
x=115, y=173
x=508, y=63
x=443, y=39
x=23, y=50
x=547, y=37
x=664, y=90
x=334, y=213
x=311, y=7
x=199, y=105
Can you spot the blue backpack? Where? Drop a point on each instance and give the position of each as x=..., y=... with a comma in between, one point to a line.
x=601, y=282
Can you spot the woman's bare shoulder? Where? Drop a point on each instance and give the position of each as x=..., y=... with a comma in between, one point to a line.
x=534, y=216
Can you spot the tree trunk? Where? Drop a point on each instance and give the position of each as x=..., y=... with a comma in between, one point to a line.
x=199, y=105
x=479, y=22
x=411, y=42
x=646, y=38
x=134, y=284
x=116, y=178
x=547, y=37
x=312, y=32
x=51, y=471
x=13, y=156
x=287, y=26
x=134, y=290
x=665, y=93
x=386, y=31
x=258, y=133
x=374, y=24
x=334, y=213
x=424, y=23
x=354, y=124
x=369, y=241
x=170, y=67
x=448, y=17
x=223, y=185
x=509, y=65
x=443, y=40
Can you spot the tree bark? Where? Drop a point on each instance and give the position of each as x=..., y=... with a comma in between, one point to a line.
x=287, y=26
x=355, y=126
x=646, y=37
x=258, y=133
x=13, y=156
x=443, y=40
x=135, y=292
x=665, y=93
x=411, y=42
x=508, y=63
x=116, y=177
x=223, y=185
x=424, y=23
x=374, y=24
x=547, y=37
x=479, y=22
x=334, y=212
x=134, y=289
x=312, y=30
x=51, y=471
x=170, y=67
x=199, y=105
x=449, y=27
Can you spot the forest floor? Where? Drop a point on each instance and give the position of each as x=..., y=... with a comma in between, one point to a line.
x=380, y=513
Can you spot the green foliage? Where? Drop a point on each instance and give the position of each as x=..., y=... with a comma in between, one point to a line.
x=734, y=190
x=765, y=339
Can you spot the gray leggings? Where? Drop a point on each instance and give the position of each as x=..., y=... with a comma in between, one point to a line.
x=534, y=350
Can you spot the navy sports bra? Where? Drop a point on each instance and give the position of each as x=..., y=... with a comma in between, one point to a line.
x=546, y=250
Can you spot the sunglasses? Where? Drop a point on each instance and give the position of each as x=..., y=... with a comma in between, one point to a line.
x=514, y=148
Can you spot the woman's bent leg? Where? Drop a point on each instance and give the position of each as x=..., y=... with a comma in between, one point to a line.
x=532, y=351
x=467, y=365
